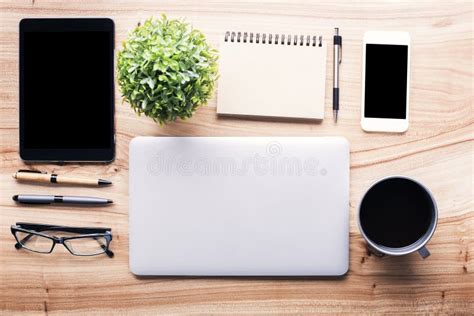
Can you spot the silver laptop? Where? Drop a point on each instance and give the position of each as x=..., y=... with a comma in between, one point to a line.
x=239, y=206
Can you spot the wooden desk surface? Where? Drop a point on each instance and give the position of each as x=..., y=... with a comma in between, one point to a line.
x=437, y=150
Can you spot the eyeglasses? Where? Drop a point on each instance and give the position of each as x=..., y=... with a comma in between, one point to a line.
x=79, y=241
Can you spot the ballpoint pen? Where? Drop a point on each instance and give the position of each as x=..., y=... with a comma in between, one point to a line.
x=38, y=176
x=49, y=199
x=336, y=66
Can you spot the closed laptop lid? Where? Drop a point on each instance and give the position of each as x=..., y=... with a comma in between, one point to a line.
x=239, y=206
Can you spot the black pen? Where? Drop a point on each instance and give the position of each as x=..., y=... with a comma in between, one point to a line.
x=48, y=199
x=337, y=63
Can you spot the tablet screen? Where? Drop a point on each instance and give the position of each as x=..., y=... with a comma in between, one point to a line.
x=67, y=92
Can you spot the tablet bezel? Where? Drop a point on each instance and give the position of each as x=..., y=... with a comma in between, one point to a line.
x=105, y=154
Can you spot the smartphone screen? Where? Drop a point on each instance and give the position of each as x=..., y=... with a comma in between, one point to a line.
x=386, y=81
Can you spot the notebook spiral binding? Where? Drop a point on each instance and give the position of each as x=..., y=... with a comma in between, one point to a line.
x=263, y=38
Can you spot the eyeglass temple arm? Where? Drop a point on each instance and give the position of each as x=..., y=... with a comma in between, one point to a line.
x=83, y=230
x=109, y=252
x=18, y=244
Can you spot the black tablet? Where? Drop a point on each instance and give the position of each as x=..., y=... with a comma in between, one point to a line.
x=67, y=90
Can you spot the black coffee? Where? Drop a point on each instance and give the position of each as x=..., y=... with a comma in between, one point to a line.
x=396, y=213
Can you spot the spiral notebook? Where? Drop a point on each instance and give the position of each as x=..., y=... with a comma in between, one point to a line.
x=274, y=75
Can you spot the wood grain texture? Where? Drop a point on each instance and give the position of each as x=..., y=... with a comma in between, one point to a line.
x=437, y=150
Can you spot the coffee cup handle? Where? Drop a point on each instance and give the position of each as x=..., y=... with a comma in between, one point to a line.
x=424, y=253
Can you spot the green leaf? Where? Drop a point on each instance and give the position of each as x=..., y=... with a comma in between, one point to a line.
x=166, y=69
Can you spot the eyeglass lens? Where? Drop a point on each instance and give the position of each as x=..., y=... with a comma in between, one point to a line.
x=87, y=246
x=35, y=242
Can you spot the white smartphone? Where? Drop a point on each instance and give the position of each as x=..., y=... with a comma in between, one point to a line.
x=385, y=81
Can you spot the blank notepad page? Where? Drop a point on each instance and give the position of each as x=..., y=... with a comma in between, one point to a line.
x=276, y=77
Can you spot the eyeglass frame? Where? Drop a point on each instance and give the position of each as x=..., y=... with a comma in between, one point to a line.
x=83, y=232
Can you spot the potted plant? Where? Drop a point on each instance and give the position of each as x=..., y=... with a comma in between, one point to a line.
x=166, y=69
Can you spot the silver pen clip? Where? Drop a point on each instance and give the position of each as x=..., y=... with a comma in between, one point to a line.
x=340, y=55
